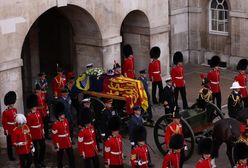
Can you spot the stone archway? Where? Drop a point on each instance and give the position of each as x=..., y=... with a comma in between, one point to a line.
x=135, y=30
x=68, y=36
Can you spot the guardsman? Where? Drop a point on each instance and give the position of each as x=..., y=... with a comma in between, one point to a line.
x=61, y=136
x=9, y=121
x=205, y=148
x=177, y=75
x=43, y=109
x=59, y=83
x=168, y=96
x=35, y=124
x=42, y=81
x=143, y=79
x=205, y=94
x=87, y=147
x=241, y=153
x=139, y=154
x=113, y=150
x=234, y=100
x=173, y=157
x=22, y=140
x=214, y=78
x=243, y=134
x=242, y=79
x=154, y=70
x=128, y=67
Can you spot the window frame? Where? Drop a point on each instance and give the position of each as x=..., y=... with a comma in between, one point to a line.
x=225, y=21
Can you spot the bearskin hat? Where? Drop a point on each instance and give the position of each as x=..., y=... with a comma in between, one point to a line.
x=178, y=57
x=127, y=50
x=241, y=150
x=41, y=74
x=32, y=101
x=114, y=123
x=20, y=119
x=155, y=52
x=139, y=133
x=59, y=109
x=242, y=65
x=10, y=98
x=205, y=146
x=176, y=141
x=86, y=116
x=215, y=61
x=176, y=114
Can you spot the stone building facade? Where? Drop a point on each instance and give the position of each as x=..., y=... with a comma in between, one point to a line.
x=39, y=35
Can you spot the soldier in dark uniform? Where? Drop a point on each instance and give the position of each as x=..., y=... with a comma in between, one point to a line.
x=205, y=148
x=234, y=100
x=143, y=79
x=241, y=154
x=168, y=96
x=205, y=94
x=42, y=81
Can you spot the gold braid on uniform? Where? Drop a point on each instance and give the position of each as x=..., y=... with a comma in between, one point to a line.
x=205, y=95
x=235, y=101
x=242, y=139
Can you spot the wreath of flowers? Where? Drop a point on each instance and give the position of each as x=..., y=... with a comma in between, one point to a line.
x=95, y=71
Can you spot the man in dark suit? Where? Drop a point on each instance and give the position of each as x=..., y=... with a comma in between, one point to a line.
x=168, y=96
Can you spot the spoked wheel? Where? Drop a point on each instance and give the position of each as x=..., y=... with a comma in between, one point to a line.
x=214, y=111
x=97, y=104
x=159, y=135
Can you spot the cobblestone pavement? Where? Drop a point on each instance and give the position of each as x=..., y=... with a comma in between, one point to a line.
x=193, y=81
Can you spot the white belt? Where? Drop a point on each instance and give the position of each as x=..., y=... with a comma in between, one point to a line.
x=63, y=135
x=89, y=143
x=157, y=72
x=21, y=143
x=11, y=123
x=215, y=83
x=35, y=126
x=144, y=162
x=179, y=77
x=115, y=153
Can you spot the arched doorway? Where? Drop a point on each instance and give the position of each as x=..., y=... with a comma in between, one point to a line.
x=61, y=36
x=135, y=30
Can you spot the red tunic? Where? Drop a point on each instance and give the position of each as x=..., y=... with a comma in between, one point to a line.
x=241, y=166
x=242, y=79
x=34, y=121
x=204, y=163
x=171, y=159
x=172, y=129
x=177, y=76
x=8, y=120
x=87, y=142
x=154, y=70
x=22, y=140
x=61, y=134
x=113, y=150
x=214, y=78
x=128, y=68
x=42, y=105
x=139, y=154
x=59, y=83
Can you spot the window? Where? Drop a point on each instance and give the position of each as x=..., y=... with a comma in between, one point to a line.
x=218, y=17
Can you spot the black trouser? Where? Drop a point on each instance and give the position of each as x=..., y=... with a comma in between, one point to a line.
x=245, y=101
x=116, y=166
x=154, y=91
x=40, y=149
x=183, y=95
x=70, y=155
x=25, y=160
x=9, y=147
x=217, y=96
x=182, y=156
x=88, y=162
x=46, y=121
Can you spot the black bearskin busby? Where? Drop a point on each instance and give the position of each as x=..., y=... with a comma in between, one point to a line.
x=155, y=52
x=32, y=101
x=240, y=151
x=242, y=65
x=86, y=116
x=10, y=98
x=59, y=109
x=114, y=123
x=127, y=50
x=176, y=141
x=176, y=114
x=215, y=61
x=178, y=57
x=205, y=146
x=139, y=133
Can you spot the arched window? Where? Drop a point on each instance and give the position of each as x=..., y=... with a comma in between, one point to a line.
x=218, y=17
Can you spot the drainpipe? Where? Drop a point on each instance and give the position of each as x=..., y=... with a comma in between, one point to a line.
x=188, y=32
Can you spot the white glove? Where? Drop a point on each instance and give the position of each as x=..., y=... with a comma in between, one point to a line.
x=19, y=144
x=186, y=147
x=103, y=134
x=132, y=143
x=33, y=149
x=139, y=163
x=83, y=155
